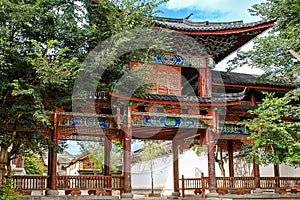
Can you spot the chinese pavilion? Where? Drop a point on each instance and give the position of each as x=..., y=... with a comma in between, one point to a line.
x=208, y=112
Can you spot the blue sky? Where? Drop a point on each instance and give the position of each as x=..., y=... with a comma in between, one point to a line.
x=210, y=10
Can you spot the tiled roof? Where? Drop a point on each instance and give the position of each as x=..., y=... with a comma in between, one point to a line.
x=186, y=25
x=218, y=98
x=246, y=79
x=243, y=107
x=218, y=38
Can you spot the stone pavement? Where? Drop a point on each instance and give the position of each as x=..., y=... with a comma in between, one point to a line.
x=254, y=196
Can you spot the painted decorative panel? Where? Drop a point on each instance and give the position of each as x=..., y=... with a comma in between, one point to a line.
x=234, y=129
x=95, y=121
x=182, y=60
x=171, y=122
x=85, y=124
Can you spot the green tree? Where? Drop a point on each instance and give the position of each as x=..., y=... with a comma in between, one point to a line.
x=270, y=52
x=42, y=43
x=33, y=163
x=275, y=127
x=275, y=130
x=96, y=154
x=39, y=46
x=150, y=152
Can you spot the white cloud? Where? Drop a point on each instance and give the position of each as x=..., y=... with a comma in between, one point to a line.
x=230, y=10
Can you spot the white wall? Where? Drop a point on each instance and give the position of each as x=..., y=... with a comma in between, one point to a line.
x=191, y=166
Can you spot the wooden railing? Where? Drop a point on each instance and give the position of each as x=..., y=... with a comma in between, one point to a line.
x=233, y=183
x=90, y=182
x=279, y=182
x=194, y=184
x=25, y=182
x=33, y=182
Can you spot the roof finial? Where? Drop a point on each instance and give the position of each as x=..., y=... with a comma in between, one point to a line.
x=189, y=16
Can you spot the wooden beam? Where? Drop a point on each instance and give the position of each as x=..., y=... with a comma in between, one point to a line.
x=252, y=86
x=295, y=54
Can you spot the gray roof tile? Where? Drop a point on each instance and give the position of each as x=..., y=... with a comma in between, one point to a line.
x=186, y=25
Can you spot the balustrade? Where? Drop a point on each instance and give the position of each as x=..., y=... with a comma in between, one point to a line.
x=234, y=183
x=25, y=182
x=34, y=182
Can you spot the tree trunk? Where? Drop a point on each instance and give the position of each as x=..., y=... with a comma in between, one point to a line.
x=3, y=163
x=221, y=163
x=152, y=184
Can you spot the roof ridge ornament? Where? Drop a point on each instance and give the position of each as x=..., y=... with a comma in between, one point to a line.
x=188, y=16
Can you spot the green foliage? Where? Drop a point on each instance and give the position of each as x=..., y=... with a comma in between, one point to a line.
x=42, y=44
x=33, y=163
x=39, y=46
x=96, y=154
x=270, y=52
x=275, y=130
x=8, y=191
x=151, y=150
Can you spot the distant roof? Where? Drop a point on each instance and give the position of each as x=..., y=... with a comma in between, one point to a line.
x=219, y=38
x=246, y=80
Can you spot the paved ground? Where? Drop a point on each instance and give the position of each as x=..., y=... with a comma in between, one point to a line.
x=85, y=196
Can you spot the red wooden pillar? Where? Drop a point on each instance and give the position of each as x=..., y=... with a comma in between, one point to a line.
x=175, y=165
x=253, y=99
x=204, y=81
x=107, y=150
x=52, y=157
x=127, y=151
x=211, y=161
x=230, y=158
x=256, y=174
x=276, y=175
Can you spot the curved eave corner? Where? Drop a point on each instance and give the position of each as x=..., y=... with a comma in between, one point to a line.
x=218, y=30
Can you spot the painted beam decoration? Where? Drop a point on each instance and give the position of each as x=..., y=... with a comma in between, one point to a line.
x=85, y=124
x=234, y=129
x=87, y=120
x=170, y=120
x=182, y=60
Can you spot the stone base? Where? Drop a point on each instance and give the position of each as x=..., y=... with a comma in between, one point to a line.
x=175, y=195
x=257, y=191
x=51, y=192
x=127, y=196
x=152, y=195
x=212, y=196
